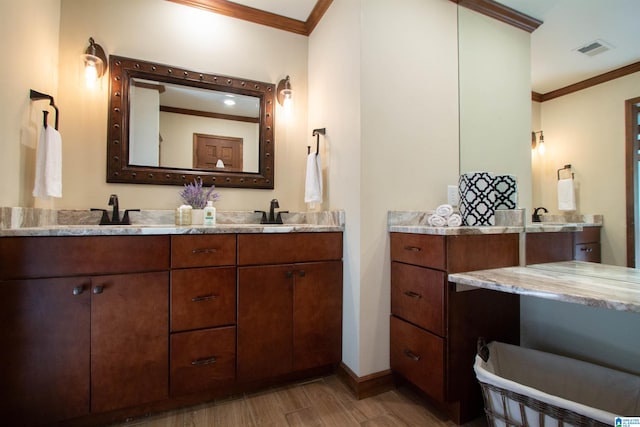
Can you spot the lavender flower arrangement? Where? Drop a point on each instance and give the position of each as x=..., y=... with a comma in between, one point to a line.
x=196, y=195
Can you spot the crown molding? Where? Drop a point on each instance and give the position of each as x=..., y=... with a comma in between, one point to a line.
x=246, y=13
x=502, y=13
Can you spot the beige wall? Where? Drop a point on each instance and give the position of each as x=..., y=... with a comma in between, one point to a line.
x=587, y=130
x=383, y=79
x=29, y=48
x=495, y=111
x=154, y=30
x=334, y=94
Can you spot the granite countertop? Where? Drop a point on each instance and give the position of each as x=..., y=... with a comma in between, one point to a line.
x=507, y=221
x=42, y=222
x=597, y=285
x=416, y=222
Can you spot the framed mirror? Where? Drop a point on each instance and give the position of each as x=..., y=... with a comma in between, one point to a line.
x=168, y=125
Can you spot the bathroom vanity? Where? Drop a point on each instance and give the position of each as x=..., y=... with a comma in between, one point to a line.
x=104, y=324
x=434, y=323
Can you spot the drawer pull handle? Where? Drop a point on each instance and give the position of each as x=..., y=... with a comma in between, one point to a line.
x=411, y=294
x=586, y=249
x=203, y=362
x=411, y=355
x=204, y=251
x=412, y=248
x=204, y=298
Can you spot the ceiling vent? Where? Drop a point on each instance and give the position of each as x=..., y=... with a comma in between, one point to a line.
x=594, y=48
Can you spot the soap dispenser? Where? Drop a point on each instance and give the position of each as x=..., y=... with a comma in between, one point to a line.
x=209, y=214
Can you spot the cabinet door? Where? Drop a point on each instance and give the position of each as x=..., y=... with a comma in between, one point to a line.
x=317, y=314
x=44, y=362
x=129, y=340
x=265, y=299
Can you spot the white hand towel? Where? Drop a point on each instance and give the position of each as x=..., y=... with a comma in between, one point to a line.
x=444, y=210
x=454, y=220
x=313, y=183
x=49, y=164
x=566, y=195
x=437, y=221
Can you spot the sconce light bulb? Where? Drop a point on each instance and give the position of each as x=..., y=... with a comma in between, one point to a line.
x=541, y=148
x=90, y=75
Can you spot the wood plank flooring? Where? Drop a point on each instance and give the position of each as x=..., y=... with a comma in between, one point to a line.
x=321, y=402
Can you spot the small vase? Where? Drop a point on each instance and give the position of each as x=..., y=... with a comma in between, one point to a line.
x=197, y=216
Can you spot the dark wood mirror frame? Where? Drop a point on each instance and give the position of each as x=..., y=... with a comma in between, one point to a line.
x=122, y=70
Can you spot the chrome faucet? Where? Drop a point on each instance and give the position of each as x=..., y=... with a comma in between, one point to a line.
x=115, y=215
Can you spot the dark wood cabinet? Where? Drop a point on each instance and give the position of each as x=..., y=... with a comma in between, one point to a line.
x=44, y=362
x=289, y=318
x=203, y=313
x=96, y=329
x=587, y=245
x=82, y=344
x=129, y=340
x=265, y=326
x=289, y=303
x=435, y=324
x=563, y=246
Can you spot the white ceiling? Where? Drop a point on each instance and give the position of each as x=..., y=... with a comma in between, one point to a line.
x=296, y=9
x=571, y=24
x=568, y=25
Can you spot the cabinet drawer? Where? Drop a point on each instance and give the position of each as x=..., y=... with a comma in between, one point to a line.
x=589, y=252
x=254, y=249
x=203, y=250
x=201, y=360
x=203, y=298
x=33, y=257
x=418, y=356
x=417, y=295
x=419, y=249
x=587, y=235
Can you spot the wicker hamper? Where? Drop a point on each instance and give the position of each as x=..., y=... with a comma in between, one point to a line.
x=524, y=387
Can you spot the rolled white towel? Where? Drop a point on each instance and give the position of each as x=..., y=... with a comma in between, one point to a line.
x=437, y=221
x=454, y=220
x=444, y=210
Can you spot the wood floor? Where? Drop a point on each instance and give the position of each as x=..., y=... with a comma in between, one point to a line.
x=323, y=401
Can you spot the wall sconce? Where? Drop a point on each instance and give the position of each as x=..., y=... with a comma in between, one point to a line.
x=95, y=63
x=285, y=94
x=535, y=143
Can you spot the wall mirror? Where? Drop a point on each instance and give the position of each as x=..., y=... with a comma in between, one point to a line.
x=169, y=125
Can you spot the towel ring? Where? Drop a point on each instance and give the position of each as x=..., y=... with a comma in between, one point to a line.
x=317, y=133
x=566, y=167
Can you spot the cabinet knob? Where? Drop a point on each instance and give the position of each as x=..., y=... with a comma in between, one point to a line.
x=289, y=274
x=78, y=290
x=302, y=273
x=411, y=355
x=98, y=289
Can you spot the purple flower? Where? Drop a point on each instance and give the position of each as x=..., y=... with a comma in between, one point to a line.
x=196, y=195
